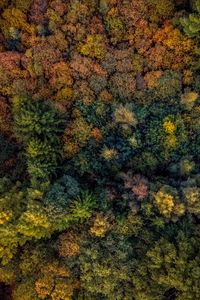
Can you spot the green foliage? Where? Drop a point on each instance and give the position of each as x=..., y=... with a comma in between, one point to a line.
x=107, y=275
x=116, y=28
x=32, y=258
x=23, y=5
x=191, y=196
x=36, y=119
x=25, y=291
x=34, y=222
x=146, y=162
x=12, y=205
x=161, y=9
x=11, y=202
x=166, y=137
x=191, y=24
x=36, y=151
x=166, y=266
x=169, y=85
x=7, y=150
x=103, y=6
x=82, y=206
x=8, y=243
x=39, y=125
x=62, y=192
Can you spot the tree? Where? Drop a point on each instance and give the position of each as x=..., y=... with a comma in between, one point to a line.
x=162, y=9
x=191, y=24
x=82, y=206
x=105, y=270
x=12, y=201
x=55, y=282
x=168, y=202
x=36, y=119
x=62, y=192
x=39, y=125
x=14, y=18
x=123, y=85
x=40, y=57
x=191, y=196
x=69, y=244
x=7, y=155
x=94, y=46
x=100, y=226
x=137, y=184
x=116, y=28
x=5, y=117
x=23, y=5
x=124, y=115
x=37, y=11
x=9, y=69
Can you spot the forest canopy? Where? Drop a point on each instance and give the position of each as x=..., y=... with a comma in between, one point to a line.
x=100, y=149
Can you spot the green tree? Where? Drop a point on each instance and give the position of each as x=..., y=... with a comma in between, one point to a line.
x=12, y=205
x=170, y=265
x=40, y=127
x=191, y=24
x=105, y=267
x=37, y=119
x=81, y=207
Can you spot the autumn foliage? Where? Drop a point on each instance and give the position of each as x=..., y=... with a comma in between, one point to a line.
x=99, y=149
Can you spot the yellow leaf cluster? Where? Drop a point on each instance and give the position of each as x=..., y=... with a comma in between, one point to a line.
x=14, y=18
x=109, y=153
x=100, y=226
x=5, y=216
x=188, y=99
x=168, y=203
x=94, y=46
x=165, y=202
x=65, y=94
x=169, y=126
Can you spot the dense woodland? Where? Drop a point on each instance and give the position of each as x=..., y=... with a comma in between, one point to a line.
x=100, y=149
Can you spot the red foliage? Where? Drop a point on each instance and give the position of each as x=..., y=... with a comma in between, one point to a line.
x=59, y=6
x=10, y=60
x=96, y=26
x=83, y=90
x=10, y=70
x=81, y=66
x=98, y=69
x=140, y=188
x=60, y=75
x=40, y=58
x=137, y=183
x=134, y=11
x=37, y=11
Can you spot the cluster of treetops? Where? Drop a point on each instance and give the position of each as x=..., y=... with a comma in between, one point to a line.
x=100, y=149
